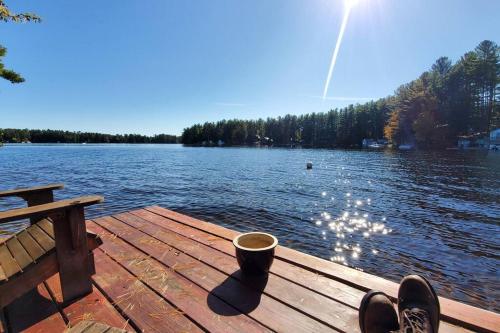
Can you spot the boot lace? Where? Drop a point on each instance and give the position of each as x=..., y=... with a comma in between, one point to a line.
x=415, y=321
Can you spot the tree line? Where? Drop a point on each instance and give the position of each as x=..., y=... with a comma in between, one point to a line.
x=446, y=101
x=11, y=135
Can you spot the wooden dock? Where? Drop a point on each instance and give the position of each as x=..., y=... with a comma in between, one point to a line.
x=161, y=271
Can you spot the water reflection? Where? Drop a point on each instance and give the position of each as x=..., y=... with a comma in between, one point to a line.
x=349, y=229
x=387, y=213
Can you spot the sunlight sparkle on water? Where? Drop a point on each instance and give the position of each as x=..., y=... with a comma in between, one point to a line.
x=351, y=228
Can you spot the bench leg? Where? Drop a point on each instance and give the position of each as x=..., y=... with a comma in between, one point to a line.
x=73, y=254
x=91, y=263
x=38, y=198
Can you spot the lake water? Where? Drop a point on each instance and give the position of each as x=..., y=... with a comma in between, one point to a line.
x=387, y=213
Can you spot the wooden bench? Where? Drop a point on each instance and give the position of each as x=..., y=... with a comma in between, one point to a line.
x=56, y=241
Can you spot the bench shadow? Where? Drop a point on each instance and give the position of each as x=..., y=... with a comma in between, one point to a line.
x=29, y=309
x=237, y=294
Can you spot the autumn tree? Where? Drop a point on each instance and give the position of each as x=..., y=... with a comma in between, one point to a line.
x=446, y=101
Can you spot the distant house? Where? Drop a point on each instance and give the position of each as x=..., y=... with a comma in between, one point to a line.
x=267, y=141
x=473, y=141
x=495, y=139
x=366, y=142
x=464, y=142
x=372, y=143
x=382, y=142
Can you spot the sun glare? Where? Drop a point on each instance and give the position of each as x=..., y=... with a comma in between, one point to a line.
x=348, y=6
x=351, y=3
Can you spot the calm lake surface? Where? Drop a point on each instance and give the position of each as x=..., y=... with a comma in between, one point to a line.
x=387, y=213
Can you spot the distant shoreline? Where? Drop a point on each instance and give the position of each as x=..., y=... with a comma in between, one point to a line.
x=84, y=143
x=386, y=149
x=17, y=135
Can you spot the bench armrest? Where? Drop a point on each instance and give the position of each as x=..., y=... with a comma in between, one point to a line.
x=49, y=208
x=20, y=192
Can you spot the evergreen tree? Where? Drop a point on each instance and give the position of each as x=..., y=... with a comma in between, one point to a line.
x=446, y=101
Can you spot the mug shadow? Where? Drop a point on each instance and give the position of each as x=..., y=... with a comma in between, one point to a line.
x=242, y=292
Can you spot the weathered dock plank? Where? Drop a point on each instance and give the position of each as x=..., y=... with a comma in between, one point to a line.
x=93, y=306
x=161, y=271
x=295, y=296
x=182, y=293
x=261, y=307
x=310, y=280
x=452, y=311
x=144, y=307
x=35, y=312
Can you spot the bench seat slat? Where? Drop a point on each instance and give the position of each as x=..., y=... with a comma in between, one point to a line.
x=47, y=226
x=3, y=276
x=30, y=245
x=22, y=257
x=41, y=237
x=87, y=326
x=7, y=262
x=82, y=326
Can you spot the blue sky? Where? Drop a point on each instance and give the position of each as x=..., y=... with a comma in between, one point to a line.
x=158, y=66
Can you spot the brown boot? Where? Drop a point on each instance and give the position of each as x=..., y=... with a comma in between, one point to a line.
x=377, y=314
x=418, y=306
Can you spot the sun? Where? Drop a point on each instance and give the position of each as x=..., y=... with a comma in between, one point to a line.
x=351, y=3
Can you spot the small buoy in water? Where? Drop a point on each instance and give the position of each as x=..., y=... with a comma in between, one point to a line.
x=309, y=165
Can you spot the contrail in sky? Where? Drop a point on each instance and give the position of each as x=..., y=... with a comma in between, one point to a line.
x=337, y=48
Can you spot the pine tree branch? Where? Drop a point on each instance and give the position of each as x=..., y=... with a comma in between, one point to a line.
x=6, y=15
